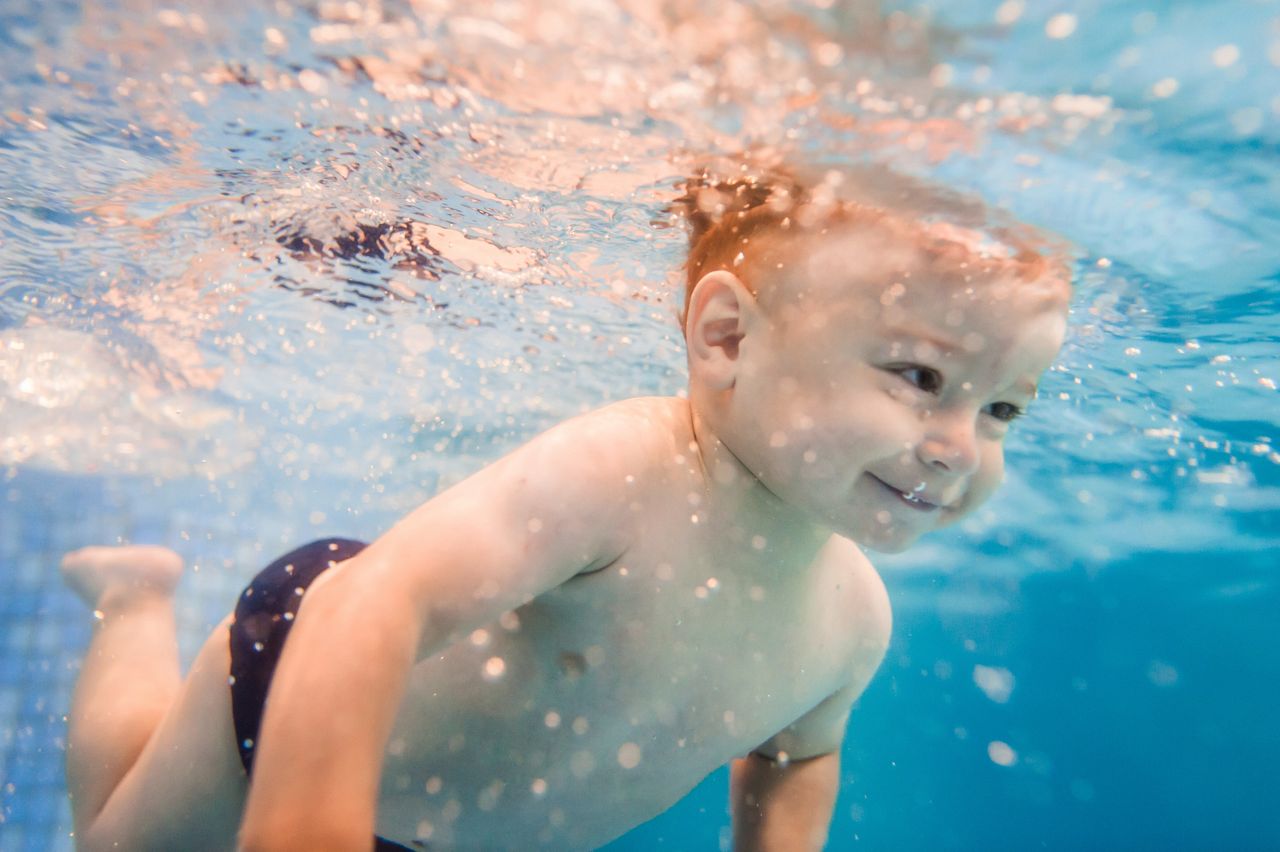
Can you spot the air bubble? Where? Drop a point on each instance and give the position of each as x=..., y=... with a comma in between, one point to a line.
x=1001, y=754
x=1061, y=26
x=1009, y=12
x=629, y=756
x=494, y=668
x=1226, y=55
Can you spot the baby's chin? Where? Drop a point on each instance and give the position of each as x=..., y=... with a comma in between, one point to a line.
x=886, y=544
x=895, y=539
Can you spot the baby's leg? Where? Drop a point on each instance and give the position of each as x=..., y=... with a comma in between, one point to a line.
x=130, y=674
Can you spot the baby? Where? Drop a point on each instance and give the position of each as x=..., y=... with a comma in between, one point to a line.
x=561, y=646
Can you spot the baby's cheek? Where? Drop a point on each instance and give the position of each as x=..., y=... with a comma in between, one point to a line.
x=988, y=478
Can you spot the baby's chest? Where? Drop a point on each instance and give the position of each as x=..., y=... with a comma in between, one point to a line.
x=694, y=664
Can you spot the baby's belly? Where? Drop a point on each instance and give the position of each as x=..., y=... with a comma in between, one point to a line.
x=556, y=745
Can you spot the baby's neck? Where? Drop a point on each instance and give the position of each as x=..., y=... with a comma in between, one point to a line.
x=737, y=500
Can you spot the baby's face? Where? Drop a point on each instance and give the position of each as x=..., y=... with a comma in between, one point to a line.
x=880, y=395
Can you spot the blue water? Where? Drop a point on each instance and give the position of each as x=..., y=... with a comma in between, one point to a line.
x=275, y=271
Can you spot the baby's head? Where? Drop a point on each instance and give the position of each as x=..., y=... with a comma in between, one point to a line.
x=860, y=342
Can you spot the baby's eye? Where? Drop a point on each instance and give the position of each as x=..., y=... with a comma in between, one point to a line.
x=1005, y=412
x=926, y=379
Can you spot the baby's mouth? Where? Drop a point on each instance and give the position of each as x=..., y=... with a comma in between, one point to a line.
x=913, y=498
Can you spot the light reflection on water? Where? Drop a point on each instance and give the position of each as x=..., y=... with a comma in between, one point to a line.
x=338, y=252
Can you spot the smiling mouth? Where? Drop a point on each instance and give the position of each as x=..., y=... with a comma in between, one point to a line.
x=910, y=498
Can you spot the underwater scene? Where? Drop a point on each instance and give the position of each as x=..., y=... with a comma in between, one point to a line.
x=272, y=271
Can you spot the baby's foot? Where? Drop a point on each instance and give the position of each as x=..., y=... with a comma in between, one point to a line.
x=115, y=576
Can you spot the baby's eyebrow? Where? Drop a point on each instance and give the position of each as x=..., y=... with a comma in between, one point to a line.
x=944, y=345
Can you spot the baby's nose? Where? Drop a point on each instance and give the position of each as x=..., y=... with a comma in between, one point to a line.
x=950, y=444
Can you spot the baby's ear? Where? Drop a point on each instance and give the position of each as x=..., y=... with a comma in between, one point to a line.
x=720, y=310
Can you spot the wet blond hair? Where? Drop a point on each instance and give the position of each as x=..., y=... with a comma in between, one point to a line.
x=735, y=207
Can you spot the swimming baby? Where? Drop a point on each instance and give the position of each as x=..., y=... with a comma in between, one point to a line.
x=559, y=647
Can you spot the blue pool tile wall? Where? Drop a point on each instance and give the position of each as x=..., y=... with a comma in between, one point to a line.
x=44, y=629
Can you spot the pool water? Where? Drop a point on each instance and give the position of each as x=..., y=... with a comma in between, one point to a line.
x=274, y=271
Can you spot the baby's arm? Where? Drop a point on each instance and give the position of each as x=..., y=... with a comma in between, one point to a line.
x=783, y=792
x=523, y=525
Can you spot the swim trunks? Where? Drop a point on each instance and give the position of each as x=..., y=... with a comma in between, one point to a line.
x=263, y=618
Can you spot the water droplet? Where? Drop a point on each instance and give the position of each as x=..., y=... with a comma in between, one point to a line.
x=1226, y=55
x=552, y=719
x=1161, y=673
x=488, y=798
x=1062, y=25
x=1001, y=754
x=997, y=683
x=629, y=756
x=494, y=668
x=1247, y=121
x=1009, y=12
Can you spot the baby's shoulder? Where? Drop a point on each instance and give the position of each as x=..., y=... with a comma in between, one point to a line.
x=616, y=448
x=631, y=431
x=658, y=417
x=859, y=599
